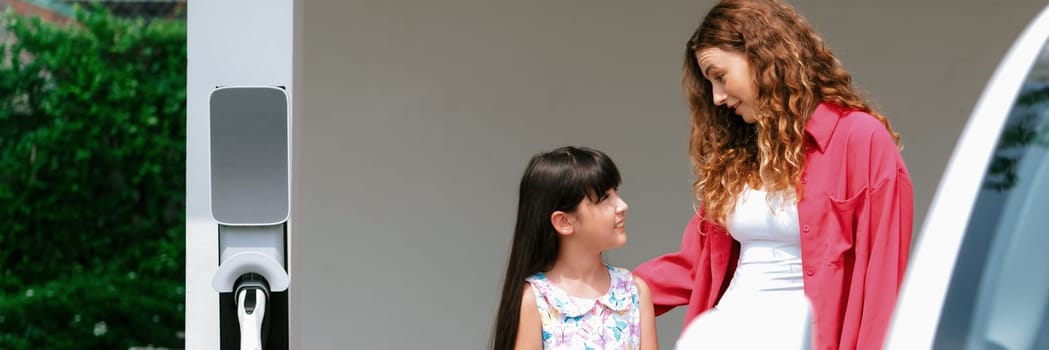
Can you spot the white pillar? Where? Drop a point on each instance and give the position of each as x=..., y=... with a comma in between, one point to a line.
x=230, y=42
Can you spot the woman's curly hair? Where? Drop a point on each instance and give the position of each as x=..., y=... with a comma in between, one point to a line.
x=793, y=72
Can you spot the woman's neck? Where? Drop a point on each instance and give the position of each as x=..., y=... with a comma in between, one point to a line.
x=580, y=274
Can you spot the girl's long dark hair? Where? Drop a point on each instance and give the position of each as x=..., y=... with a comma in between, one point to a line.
x=557, y=180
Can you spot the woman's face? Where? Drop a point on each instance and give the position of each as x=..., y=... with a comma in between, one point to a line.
x=730, y=78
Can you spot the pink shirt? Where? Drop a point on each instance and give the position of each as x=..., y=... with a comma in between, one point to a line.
x=855, y=218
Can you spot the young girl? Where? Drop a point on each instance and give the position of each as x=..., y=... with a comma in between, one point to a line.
x=558, y=294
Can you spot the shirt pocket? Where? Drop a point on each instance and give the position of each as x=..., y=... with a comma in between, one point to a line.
x=839, y=229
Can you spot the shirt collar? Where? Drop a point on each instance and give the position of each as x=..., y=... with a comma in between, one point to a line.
x=618, y=298
x=822, y=123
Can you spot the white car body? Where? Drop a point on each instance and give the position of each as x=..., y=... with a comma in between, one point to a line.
x=997, y=318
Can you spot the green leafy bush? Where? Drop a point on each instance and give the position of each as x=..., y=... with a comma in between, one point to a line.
x=92, y=182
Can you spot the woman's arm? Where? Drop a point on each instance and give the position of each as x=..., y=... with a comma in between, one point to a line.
x=890, y=216
x=882, y=231
x=670, y=276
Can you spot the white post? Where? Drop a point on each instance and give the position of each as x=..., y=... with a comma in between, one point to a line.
x=231, y=43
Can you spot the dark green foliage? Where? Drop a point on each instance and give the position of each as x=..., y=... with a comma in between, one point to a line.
x=92, y=182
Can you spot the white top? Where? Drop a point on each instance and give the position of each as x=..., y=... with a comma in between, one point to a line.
x=770, y=245
x=765, y=304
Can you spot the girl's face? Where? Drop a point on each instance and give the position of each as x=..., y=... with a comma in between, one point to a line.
x=730, y=79
x=602, y=224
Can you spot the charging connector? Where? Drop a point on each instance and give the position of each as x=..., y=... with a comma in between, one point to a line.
x=251, y=293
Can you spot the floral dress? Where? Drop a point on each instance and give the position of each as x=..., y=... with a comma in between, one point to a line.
x=611, y=321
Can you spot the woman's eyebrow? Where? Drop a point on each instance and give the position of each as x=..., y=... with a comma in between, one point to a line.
x=706, y=72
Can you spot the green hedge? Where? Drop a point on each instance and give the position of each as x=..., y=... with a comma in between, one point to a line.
x=92, y=182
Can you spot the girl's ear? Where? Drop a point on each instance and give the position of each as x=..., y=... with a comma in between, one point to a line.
x=564, y=223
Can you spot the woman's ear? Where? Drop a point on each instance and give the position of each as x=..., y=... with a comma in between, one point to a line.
x=564, y=223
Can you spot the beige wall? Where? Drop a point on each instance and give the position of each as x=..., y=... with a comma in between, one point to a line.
x=415, y=119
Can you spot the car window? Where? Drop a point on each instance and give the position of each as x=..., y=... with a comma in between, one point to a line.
x=998, y=296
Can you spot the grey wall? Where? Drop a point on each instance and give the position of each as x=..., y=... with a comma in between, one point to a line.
x=414, y=121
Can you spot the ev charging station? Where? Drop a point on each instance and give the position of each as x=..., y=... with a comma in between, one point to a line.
x=238, y=171
x=250, y=202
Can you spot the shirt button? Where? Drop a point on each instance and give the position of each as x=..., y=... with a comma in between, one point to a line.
x=810, y=272
x=805, y=228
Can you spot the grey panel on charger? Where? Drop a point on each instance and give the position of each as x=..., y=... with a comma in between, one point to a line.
x=249, y=155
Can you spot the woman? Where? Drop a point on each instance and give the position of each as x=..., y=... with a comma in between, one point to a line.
x=803, y=192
